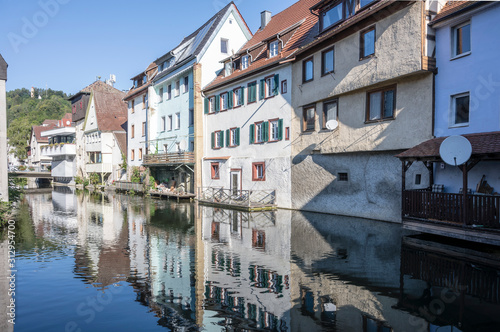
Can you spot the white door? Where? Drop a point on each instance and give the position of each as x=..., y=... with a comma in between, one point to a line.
x=235, y=182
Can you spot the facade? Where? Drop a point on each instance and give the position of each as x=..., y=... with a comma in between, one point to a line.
x=361, y=90
x=101, y=132
x=4, y=186
x=247, y=112
x=61, y=148
x=36, y=160
x=175, y=104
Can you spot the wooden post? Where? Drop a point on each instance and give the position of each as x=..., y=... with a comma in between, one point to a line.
x=464, y=193
x=403, y=187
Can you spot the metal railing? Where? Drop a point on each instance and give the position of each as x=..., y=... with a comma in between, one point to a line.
x=169, y=158
x=248, y=198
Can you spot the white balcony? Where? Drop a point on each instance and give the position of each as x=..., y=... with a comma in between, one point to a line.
x=63, y=168
x=62, y=149
x=99, y=168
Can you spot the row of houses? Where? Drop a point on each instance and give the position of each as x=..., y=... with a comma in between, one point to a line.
x=329, y=106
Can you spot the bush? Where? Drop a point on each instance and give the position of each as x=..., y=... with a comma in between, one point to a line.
x=22, y=168
x=31, y=168
x=78, y=180
x=136, y=175
x=94, y=178
x=151, y=182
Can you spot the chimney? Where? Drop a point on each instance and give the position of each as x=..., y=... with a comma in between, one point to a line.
x=265, y=17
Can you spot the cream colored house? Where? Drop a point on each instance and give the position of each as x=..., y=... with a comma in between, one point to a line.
x=362, y=90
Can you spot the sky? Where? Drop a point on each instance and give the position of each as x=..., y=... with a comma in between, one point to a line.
x=66, y=44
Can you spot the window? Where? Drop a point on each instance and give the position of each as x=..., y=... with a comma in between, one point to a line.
x=144, y=79
x=132, y=131
x=185, y=86
x=191, y=117
x=327, y=61
x=224, y=45
x=169, y=124
x=260, y=132
x=331, y=16
x=258, y=171
x=330, y=112
x=171, y=62
x=274, y=130
x=211, y=101
x=132, y=154
x=273, y=48
x=308, y=118
x=244, y=62
x=214, y=168
x=140, y=153
x=169, y=92
x=217, y=139
x=223, y=101
x=161, y=95
x=269, y=86
x=284, y=87
x=418, y=179
x=177, y=88
x=367, y=43
x=228, y=68
x=143, y=101
x=363, y=3
x=307, y=70
x=287, y=133
x=238, y=97
x=132, y=106
x=381, y=104
x=177, y=120
x=144, y=129
x=252, y=92
x=460, y=109
x=163, y=124
x=234, y=134
x=343, y=177
x=461, y=39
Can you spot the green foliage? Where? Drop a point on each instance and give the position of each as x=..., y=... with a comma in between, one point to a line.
x=151, y=182
x=22, y=168
x=123, y=165
x=136, y=175
x=131, y=192
x=23, y=112
x=94, y=178
x=78, y=180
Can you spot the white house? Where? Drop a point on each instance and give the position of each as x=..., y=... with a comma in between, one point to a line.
x=247, y=115
x=36, y=160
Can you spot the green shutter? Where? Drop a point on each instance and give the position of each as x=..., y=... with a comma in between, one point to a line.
x=262, y=89
x=227, y=137
x=217, y=103
x=206, y=105
x=265, y=129
x=237, y=133
x=221, y=139
x=242, y=95
x=280, y=129
x=252, y=133
x=276, y=88
x=230, y=97
x=213, y=140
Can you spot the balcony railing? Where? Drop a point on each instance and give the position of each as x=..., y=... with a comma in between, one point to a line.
x=243, y=198
x=169, y=158
x=482, y=210
x=61, y=149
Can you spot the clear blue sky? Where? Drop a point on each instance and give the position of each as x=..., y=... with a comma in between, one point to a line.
x=66, y=44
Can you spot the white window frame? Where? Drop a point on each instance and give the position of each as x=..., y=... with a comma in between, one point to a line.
x=274, y=130
x=259, y=132
x=222, y=42
x=217, y=139
x=232, y=133
x=177, y=88
x=244, y=62
x=237, y=97
x=185, y=84
x=228, y=68
x=164, y=123
x=160, y=93
x=177, y=120
x=211, y=105
x=223, y=101
x=169, y=123
x=454, y=40
x=453, y=110
x=269, y=86
x=273, y=48
x=169, y=91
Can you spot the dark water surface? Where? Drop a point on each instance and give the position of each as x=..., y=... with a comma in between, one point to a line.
x=108, y=262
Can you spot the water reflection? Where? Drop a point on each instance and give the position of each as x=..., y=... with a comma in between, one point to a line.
x=186, y=267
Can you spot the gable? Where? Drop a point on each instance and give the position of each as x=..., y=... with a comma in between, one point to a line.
x=90, y=116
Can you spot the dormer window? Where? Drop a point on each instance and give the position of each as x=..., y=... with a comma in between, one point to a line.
x=273, y=49
x=331, y=16
x=144, y=79
x=228, y=68
x=171, y=62
x=339, y=11
x=244, y=62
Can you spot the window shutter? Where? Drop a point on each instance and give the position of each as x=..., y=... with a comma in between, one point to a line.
x=265, y=128
x=262, y=88
x=221, y=139
x=206, y=106
x=280, y=129
x=276, y=84
x=237, y=138
x=213, y=140
x=227, y=137
x=242, y=95
x=230, y=96
x=252, y=133
x=217, y=103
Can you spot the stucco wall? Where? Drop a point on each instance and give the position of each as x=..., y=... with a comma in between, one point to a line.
x=136, y=118
x=451, y=176
x=477, y=73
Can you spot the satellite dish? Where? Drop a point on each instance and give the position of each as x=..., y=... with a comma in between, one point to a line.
x=183, y=145
x=455, y=150
x=331, y=124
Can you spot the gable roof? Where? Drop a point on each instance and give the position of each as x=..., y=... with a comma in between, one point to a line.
x=37, y=130
x=96, y=86
x=193, y=45
x=3, y=69
x=111, y=111
x=121, y=139
x=452, y=8
x=292, y=24
x=150, y=72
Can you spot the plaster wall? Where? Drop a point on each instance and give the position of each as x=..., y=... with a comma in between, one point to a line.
x=451, y=176
x=477, y=73
x=276, y=155
x=81, y=152
x=136, y=119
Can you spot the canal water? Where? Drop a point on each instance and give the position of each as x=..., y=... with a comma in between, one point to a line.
x=110, y=262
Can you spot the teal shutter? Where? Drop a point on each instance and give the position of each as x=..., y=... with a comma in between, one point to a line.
x=221, y=139
x=252, y=133
x=265, y=129
x=280, y=129
x=237, y=138
x=213, y=140
x=227, y=137
x=217, y=103
x=206, y=106
x=242, y=95
x=276, y=87
x=262, y=88
x=230, y=97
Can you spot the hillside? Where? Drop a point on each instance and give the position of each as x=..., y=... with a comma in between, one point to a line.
x=23, y=112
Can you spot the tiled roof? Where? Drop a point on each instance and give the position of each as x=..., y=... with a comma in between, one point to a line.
x=482, y=144
x=111, y=111
x=3, y=69
x=295, y=24
x=50, y=122
x=100, y=86
x=451, y=8
x=121, y=138
x=37, y=130
x=135, y=91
